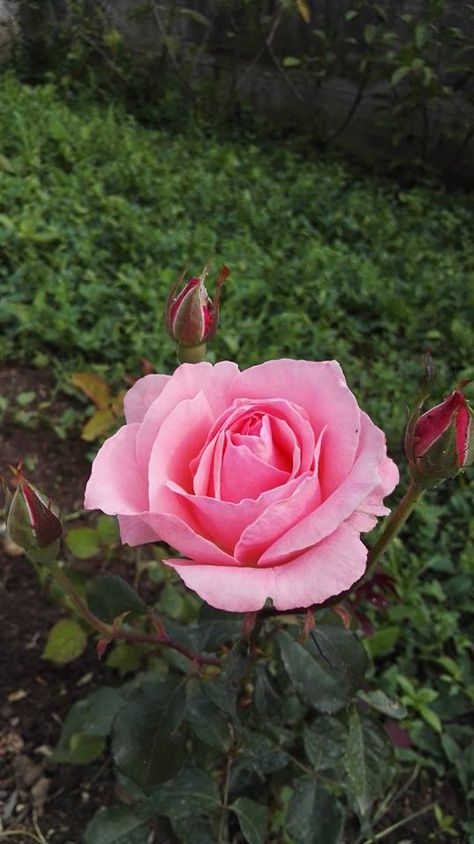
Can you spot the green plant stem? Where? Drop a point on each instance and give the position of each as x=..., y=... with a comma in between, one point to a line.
x=392, y=526
x=389, y=829
x=222, y=835
x=111, y=633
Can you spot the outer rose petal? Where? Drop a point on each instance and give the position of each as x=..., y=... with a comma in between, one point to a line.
x=151, y=527
x=142, y=395
x=117, y=485
x=326, y=570
x=188, y=380
x=341, y=504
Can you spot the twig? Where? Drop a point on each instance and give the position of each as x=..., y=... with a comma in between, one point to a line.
x=397, y=825
x=352, y=110
x=111, y=633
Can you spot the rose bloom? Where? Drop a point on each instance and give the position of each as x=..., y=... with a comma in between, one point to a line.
x=262, y=480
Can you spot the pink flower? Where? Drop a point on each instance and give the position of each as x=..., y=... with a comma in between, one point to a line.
x=263, y=479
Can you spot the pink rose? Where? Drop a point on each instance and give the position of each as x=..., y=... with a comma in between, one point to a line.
x=263, y=480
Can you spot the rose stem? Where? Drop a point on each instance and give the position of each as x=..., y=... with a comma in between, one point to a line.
x=111, y=633
x=393, y=524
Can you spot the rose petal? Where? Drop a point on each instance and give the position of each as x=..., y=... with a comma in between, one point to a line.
x=320, y=388
x=363, y=478
x=243, y=475
x=181, y=436
x=142, y=395
x=116, y=484
x=281, y=515
x=187, y=380
x=166, y=527
x=322, y=572
x=224, y=520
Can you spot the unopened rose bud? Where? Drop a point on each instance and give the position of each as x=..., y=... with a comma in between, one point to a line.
x=192, y=316
x=441, y=441
x=33, y=522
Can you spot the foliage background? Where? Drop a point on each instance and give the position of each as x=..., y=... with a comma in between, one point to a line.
x=98, y=215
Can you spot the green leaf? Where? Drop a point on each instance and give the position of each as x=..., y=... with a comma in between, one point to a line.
x=146, y=747
x=327, y=669
x=314, y=816
x=82, y=750
x=110, y=596
x=66, y=641
x=325, y=742
x=87, y=724
x=398, y=74
x=382, y=642
x=253, y=819
x=107, y=530
x=83, y=542
x=216, y=628
x=291, y=61
x=206, y=721
x=368, y=761
x=378, y=700
x=266, y=697
x=370, y=31
x=125, y=657
x=193, y=831
x=192, y=792
x=116, y=825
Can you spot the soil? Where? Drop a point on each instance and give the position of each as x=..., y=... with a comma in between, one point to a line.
x=38, y=797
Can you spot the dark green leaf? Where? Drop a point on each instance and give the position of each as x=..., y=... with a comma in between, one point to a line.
x=87, y=724
x=327, y=669
x=193, y=831
x=116, y=825
x=368, y=761
x=146, y=747
x=110, y=597
x=253, y=819
x=314, y=816
x=192, y=792
x=266, y=698
x=216, y=627
x=378, y=700
x=205, y=720
x=325, y=742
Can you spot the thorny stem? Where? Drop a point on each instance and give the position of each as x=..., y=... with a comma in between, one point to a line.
x=111, y=633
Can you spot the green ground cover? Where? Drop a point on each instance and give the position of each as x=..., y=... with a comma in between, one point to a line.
x=98, y=215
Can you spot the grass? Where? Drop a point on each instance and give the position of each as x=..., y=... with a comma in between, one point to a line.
x=98, y=215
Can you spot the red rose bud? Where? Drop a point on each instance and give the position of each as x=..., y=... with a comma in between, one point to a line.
x=33, y=522
x=441, y=441
x=192, y=316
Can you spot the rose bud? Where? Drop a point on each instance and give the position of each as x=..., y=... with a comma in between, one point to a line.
x=33, y=522
x=441, y=441
x=192, y=316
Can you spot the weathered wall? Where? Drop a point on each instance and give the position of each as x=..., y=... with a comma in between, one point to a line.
x=8, y=28
x=244, y=67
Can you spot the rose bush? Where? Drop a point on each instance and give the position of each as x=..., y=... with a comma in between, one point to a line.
x=263, y=479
